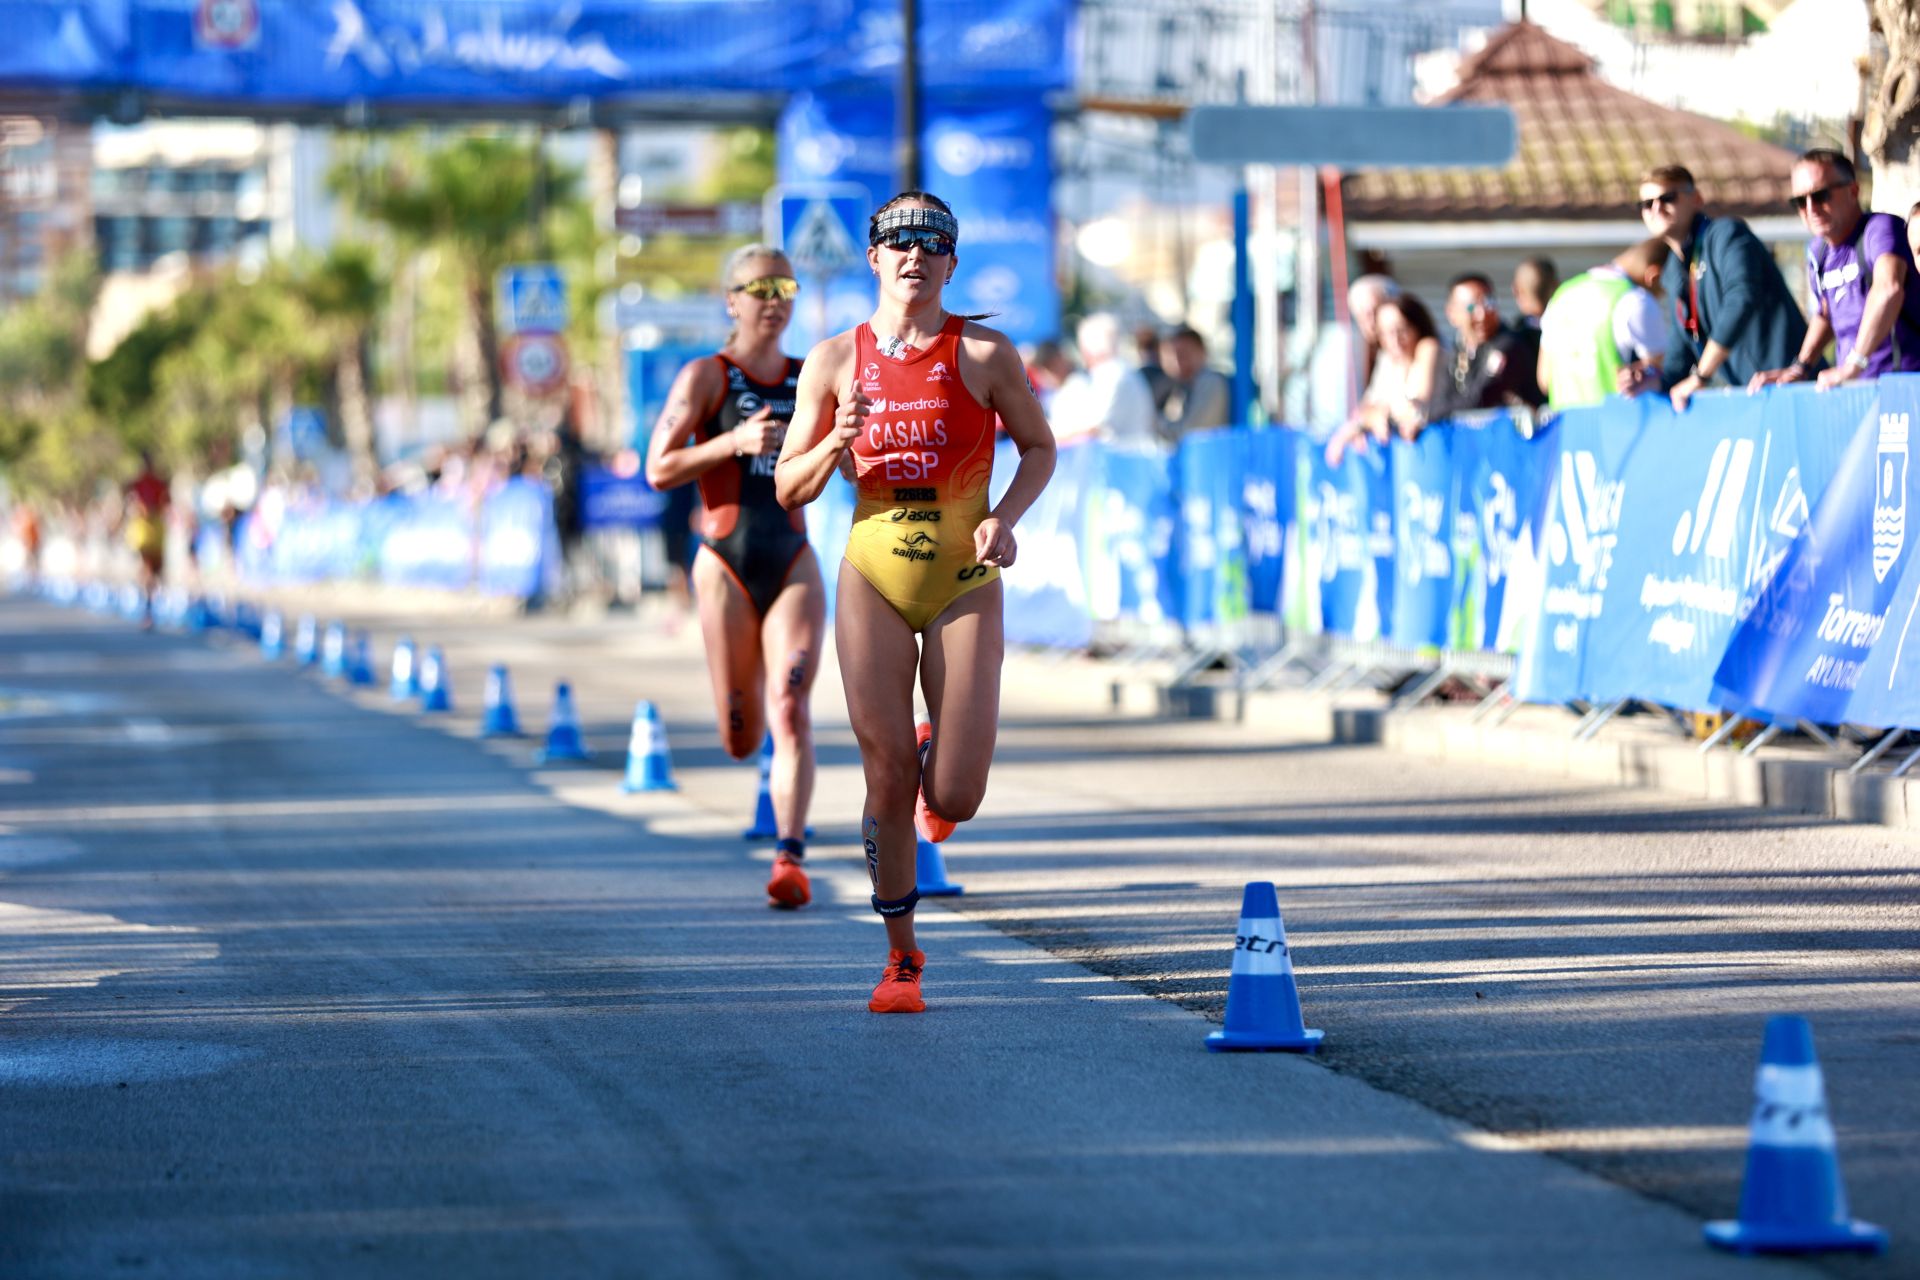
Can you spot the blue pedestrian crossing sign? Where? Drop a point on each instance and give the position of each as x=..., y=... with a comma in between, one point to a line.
x=823, y=233
x=533, y=298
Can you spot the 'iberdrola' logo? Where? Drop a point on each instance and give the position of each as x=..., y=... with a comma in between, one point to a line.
x=1889, y=494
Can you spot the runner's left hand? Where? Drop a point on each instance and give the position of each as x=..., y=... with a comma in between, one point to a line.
x=993, y=543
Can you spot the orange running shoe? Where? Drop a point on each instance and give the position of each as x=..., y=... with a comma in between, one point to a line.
x=788, y=887
x=932, y=826
x=899, y=989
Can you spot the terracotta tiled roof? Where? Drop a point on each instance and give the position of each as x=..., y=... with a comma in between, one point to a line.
x=1583, y=146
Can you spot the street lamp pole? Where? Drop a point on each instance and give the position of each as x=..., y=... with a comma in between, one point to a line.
x=908, y=152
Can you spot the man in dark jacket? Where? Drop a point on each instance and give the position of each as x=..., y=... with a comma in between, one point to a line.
x=1731, y=307
x=1494, y=365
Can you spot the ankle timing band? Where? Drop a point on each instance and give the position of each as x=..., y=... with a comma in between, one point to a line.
x=795, y=849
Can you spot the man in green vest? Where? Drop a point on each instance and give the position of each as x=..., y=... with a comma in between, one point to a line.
x=1600, y=322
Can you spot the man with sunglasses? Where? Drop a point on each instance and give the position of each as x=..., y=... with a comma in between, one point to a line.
x=1494, y=364
x=1857, y=267
x=1732, y=311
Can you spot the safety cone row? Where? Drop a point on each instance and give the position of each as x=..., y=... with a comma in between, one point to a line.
x=403, y=682
x=306, y=640
x=333, y=651
x=273, y=640
x=498, y=719
x=649, y=765
x=563, y=729
x=1792, y=1200
x=435, y=696
x=360, y=660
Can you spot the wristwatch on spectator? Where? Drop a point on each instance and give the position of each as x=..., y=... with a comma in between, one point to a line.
x=1798, y=369
x=1858, y=361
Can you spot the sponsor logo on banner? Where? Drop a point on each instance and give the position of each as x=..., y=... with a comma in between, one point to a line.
x=962, y=153
x=1890, y=494
x=1583, y=529
x=1423, y=514
x=487, y=48
x=1498, y=526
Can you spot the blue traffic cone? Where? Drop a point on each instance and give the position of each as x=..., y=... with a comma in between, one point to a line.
x=1792, y=1201
x=306, y=641
x=434, y=694
x=246, y=619
x=333, y=651
x=1263, y=1009
x=405, y=683
x=563, y=731
x=499, y=721
x=199, y=615
x=649, y=766
x=930, y=871
x=133, y=603
x=360, y=660
x=273, y=638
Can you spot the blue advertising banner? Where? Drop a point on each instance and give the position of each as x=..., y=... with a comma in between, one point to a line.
x=1423, y=538
x=1046, y=588
x=989, y=159
x=1824, y=641
x=296, y=53
x=612, y=501
x=1590, y=451
x=1268, y=489
x=1133, y=570
x=1209, y=466
x=1503, y=490
x=1346, y=543
x=518, y=543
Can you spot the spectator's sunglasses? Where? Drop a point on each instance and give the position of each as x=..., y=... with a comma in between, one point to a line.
x=905, y=239
x=769, y=288
x=1818, y=198
x=1666, y=199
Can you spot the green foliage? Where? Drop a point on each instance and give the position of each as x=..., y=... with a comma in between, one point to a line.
x=50, y=442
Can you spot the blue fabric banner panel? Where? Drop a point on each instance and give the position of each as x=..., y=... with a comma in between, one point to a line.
x=1423, y=537
x=1267, y=492
x=1133, y=569
x=1822, y=626
x=1346, y=519
x=1046, y=587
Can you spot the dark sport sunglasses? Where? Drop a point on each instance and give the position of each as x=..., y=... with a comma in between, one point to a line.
x=1818, y=198
x=906, y=239
x=769, y=288
x=1668, y=198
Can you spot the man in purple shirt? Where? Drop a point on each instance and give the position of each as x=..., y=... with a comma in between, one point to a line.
x=1858, y=265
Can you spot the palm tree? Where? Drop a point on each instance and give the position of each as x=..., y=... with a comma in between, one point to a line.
x=483, y=199
x=344, y=293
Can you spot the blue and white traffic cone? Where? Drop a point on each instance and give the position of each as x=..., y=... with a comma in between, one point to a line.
x=273, y=639
x=765, y=825
x=199, y=615
x=930, y=871
x=246, y=619
x=333, y=651
x=563, y=730
x=649, y=766
x=434, y=694
x=1263, y=1008
x=404, y=682
x=499, y=721
x=360, y=660
x=1792, y=1201
x=306, y=641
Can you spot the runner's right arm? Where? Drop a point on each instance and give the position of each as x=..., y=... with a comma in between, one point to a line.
x=826, y=421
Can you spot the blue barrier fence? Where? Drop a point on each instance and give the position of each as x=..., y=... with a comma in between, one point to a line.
x=1752, y=554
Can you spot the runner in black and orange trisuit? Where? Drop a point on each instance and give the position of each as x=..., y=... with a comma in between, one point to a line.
x=762, y=606
x=911, y=397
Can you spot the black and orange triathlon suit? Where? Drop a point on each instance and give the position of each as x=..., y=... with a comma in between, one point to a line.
x=743, y=523
x=923, y=462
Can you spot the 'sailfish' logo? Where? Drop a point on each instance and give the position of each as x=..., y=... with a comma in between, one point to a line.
x=1889, y=494
x=918, y=545
x=1713, y=521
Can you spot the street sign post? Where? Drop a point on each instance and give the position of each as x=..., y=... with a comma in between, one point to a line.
x=534, y=362
x=822, y=230
x=1354, y=137
x=532, y=298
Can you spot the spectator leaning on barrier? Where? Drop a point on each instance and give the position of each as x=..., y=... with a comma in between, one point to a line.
x=1201, y=396
x=1106, y=399
x=1858, y=264
x=1403, y=382
x=1601, y=321
x=1364, y=297
x=1534, y=282
x=1730, y=303
x=1493, y=364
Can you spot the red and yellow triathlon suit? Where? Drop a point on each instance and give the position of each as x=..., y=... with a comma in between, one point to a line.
x=922, y=467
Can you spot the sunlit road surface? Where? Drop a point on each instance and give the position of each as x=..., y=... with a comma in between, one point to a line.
x=297, y=981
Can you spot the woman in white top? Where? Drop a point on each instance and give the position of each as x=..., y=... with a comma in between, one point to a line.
x=1403, y=379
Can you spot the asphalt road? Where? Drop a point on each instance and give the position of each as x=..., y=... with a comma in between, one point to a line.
x=296, y=982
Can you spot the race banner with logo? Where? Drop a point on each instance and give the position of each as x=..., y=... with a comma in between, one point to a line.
x=1046, y=587
x=1210, y=467
x=1268, y=488
x=988, y=159
x=1345, y=543
x=1133, y=568
x=1424, y=497
x=1832, y=636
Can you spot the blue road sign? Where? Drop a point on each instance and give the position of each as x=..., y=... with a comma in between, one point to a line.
x=824, y=231
x=533, y=298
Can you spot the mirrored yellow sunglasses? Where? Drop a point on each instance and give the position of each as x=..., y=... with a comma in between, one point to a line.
x=769, y=288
